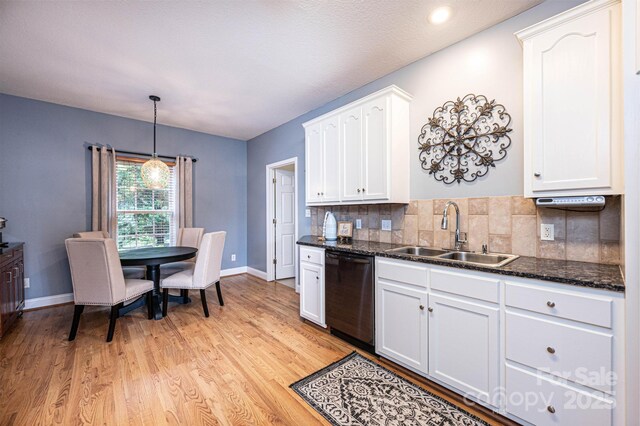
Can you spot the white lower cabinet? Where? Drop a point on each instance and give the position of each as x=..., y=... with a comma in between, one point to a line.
x=464, y=346
x=541, y=401
x=401, y=324
x=537, y=352
x=312, y=285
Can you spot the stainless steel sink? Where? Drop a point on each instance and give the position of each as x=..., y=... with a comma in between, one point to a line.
x=418, y=251
x=493, y=260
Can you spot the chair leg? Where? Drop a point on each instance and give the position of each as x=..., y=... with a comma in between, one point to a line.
x=219, y=293
x=165, y=301
x=203, y=296
x=77, y=311
x=150, y=304
x=112, y=321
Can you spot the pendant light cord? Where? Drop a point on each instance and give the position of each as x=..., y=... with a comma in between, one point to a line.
x=155, y=114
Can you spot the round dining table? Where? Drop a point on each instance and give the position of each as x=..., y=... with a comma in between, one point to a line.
x=152, y=258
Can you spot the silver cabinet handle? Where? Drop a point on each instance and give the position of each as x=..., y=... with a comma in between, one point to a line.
x=551, y=304
x=430, y=309
x=317, y=278
x=537, y=174
x=358, y=190
x=551, y=350
x=422, y=307
x=551, y=409
x=362, y=189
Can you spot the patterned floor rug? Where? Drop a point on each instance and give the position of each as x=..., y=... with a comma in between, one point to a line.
x=356, y=391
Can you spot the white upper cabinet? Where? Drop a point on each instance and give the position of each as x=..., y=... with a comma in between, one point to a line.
x=369, y=160
x=572, y=102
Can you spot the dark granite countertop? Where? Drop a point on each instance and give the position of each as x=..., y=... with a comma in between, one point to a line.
x=10, y=247
x=594, y=275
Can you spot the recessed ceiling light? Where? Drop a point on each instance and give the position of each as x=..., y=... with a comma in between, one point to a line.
x=440, y=15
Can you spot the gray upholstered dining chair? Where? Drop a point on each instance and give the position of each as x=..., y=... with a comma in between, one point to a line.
x=205, y=273
x=137, y=272
x=187, y=237
x=97, y=279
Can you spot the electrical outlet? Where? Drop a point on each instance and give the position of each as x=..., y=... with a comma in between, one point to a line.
x=27, y=283
x=307, y=213
x=386, y=225
x=547, y=232
x=233, y=257
x=358, y=223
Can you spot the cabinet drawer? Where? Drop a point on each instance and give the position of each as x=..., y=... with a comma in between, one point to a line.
x=542, y=401
x=576, y=354
x=312, y=255
x=588, y=309
x=410, y=273
x=477, y=287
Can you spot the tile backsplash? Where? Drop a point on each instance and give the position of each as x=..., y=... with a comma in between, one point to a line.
x=507, y=224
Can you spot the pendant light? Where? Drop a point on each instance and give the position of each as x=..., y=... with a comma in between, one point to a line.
x=155, y=173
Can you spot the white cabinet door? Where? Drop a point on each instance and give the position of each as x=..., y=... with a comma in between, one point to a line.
x=331, y=159
x=375, y=172
x=351, y=155
x=312, y=292
x=314, y=166
x=571, y=78
x=464, y=346
x=401, y=325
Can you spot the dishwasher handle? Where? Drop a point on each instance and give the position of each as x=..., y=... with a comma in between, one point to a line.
x=350, y=259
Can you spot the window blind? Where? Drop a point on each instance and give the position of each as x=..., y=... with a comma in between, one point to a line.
x=146, y=217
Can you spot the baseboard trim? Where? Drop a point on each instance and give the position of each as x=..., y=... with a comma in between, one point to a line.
x=257, y=273
x=39, y=302
x=233, y=271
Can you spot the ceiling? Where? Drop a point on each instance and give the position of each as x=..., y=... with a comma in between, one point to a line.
x=226, y=67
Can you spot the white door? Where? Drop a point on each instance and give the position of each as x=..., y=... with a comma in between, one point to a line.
x=401, y=325
x=464, y=346
x=313, y=160
x=375, y=146
x=312, y=292
x=285, y=224
x=331, y=159
x=571, y=91
x=351, y=154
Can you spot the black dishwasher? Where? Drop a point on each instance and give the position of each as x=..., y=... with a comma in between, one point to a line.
x=349, y=297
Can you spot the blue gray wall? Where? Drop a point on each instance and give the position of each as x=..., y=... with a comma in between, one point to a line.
x=45, y=177
x=488, y=63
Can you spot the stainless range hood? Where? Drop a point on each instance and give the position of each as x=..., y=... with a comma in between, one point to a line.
x=586, y=203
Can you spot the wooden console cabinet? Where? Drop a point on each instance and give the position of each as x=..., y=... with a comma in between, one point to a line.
x=11, y=285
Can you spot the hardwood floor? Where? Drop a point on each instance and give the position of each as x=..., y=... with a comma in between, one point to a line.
x=233, y=368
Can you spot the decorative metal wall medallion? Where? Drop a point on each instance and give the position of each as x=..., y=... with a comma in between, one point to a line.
x=464, y=138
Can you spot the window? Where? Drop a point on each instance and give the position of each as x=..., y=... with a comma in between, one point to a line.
x=145, y=216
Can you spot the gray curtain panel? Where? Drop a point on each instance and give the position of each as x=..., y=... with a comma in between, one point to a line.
x=184, y=194
x=103, y=190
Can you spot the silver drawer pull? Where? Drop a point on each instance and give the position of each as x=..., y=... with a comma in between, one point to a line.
x=551, y=350
x=537, y=174
x=430, y=309
x=551, y=409
x=551, y=304
x=317, y=278
x=308, y=256
x=422, y=307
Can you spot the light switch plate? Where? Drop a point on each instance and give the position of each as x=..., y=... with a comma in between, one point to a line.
x=27, y=283
x=307, y=213
x=547, y=232
x=386, y=225
x=358, y=223
x=233, y=257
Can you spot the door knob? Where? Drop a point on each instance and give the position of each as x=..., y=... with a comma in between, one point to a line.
x=551, y=409
x=358, y=190
x=551, y=350
x=422, y=307
x=537, y=174
x=430, y=309
x=362, y=189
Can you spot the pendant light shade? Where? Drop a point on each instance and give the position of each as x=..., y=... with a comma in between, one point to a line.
x=155, y=173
